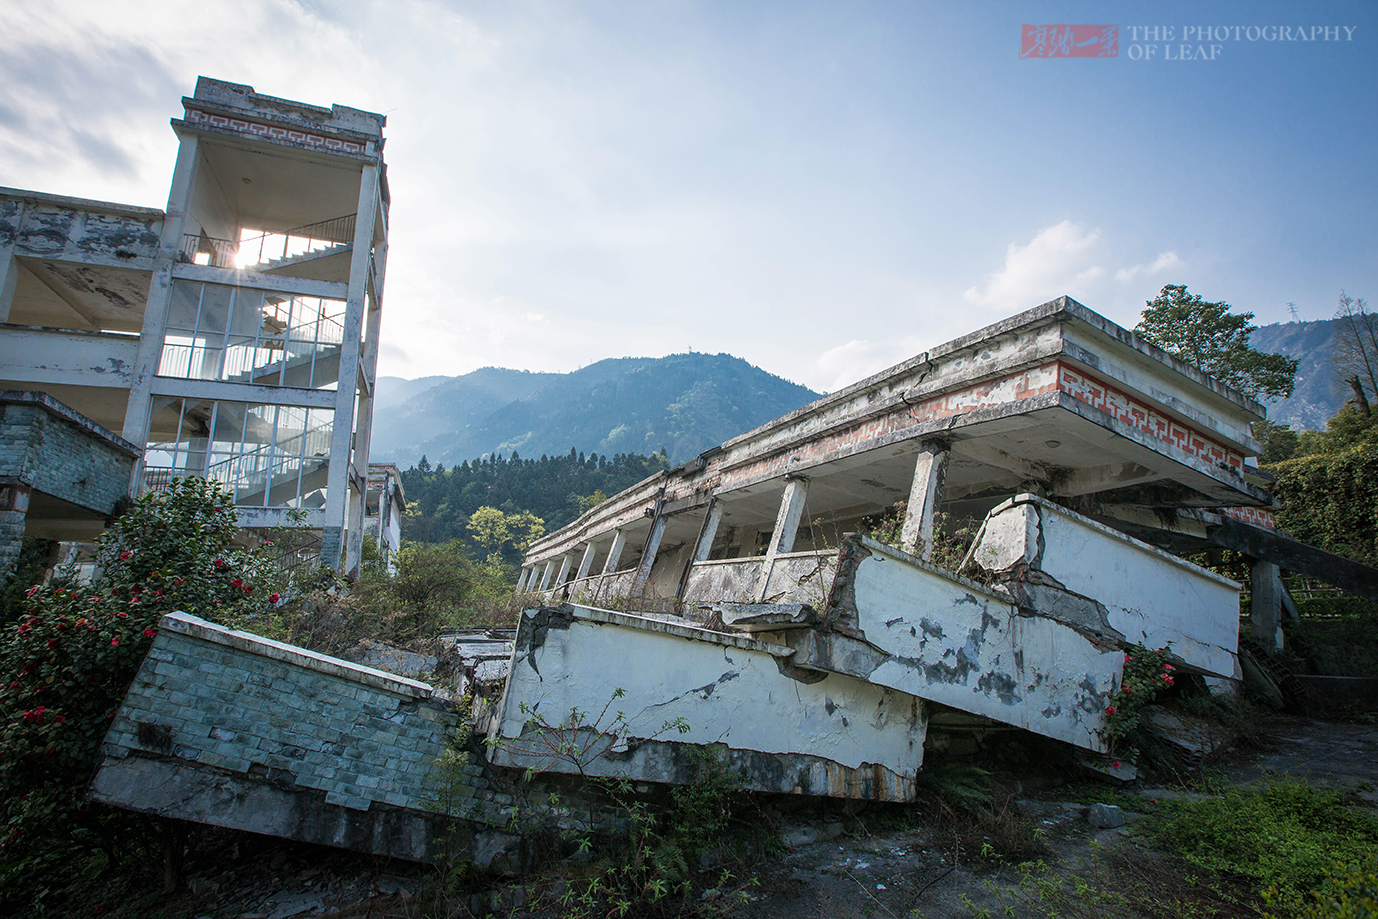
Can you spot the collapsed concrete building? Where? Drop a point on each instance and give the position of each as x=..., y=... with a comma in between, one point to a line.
x=790, y=599
x=233, y=336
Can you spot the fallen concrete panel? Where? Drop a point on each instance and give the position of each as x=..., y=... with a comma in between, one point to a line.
x=231, y=729
x=783, y=731
x=1128, y=589
x=899, y=622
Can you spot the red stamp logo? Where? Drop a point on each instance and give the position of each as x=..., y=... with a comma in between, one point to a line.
x=1069, y=41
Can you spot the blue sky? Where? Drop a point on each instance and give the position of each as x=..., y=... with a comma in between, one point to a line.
x=821, y=188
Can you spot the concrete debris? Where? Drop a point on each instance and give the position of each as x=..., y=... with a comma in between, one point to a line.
x=1104, y=816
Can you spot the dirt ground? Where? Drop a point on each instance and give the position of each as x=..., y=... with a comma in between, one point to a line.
x=834, y=865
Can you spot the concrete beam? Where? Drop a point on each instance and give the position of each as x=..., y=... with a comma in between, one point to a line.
x=306, y=287
x=72, y=358
x=243, y=392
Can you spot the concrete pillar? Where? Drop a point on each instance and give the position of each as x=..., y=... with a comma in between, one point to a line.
x=332, y=544
x=521, y=580
x=140, y=407
x=586, y=562
x=924, y=495
x=564, y=569
x=648, y=557
x=545, y=575
x=342, y=435
x=709, y=532
x=619, y=542
x=9, y=265
x=14, y=507
x=786, y=528
x=1266, y=604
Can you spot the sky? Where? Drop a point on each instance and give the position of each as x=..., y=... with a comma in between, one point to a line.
x=823, y=189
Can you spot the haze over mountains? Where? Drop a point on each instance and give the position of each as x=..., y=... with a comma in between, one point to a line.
x=683, y=403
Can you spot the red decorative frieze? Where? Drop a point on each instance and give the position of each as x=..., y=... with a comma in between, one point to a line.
x=1258, y=516
x=1124, y=408
x=273, y=132
x=1026, y=384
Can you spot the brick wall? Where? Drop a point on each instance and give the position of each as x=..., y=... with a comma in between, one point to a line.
x=231, y=729
x=58, y=452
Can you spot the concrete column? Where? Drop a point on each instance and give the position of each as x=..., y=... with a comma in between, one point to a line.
x=564, y=569
x=140, y=407
x=586, y=562
x=619, y=542
x=14, y=507
x=342, y=435
x=709, y=532
x=786, y=528
x=545, y=575
x=9, y=265
x=924, y=495
x=648, y=557
x=521, y=580
x=1266, y=604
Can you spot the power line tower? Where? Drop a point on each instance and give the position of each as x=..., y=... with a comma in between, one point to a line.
x=1292, y=308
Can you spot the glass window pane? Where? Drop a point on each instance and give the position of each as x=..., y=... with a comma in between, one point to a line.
x=186, y=300
x=215, y=308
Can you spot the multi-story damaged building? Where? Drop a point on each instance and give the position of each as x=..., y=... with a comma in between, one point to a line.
x=1071, y=447
x=233, y=336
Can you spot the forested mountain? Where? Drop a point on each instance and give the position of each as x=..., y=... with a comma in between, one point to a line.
x=555, y=488
x=1319, y=393
x=682, y=404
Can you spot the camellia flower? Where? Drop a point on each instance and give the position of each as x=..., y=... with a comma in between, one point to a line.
x=126, y=556
x=149, y=633
x=1128, y=658
x=273, y=599
x=114, y=642
x=121, y=615
x=220, y=564
x=1167, y=679
x=1115, y=764
x=1110, y=709
x=1167, y=667
x=31, y=591
x=236, y=583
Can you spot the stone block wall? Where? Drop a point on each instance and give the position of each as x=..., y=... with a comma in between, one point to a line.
x=58, y=452
x=235, y=730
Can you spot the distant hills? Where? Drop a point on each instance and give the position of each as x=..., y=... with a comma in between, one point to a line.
x=683, y=403
x=1319, y=393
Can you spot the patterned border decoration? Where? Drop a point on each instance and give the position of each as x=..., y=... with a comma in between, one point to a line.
x=1026, y=384
x=255, y=129
x=1256, y=516
x=1085, y=388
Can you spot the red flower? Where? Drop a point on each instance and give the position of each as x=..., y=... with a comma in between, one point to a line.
x=31, y=591
x=1115, y=764
x=149, y=633
x=121, y=615
x=126, y=556
x=1127, y=658
x=1128, y=691
x=273, y=599
x=52, y=642
x=1168, y=680
x=61, y=719
x=236, y=583
x=1110, y=709
x=1167, y=667
x=220, y=564
x=114, y=642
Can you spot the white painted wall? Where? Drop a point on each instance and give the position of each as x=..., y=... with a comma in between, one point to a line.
x=1151, y=597
x=729, y=690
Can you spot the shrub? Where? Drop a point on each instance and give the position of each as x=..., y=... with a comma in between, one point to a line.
x=68, y=660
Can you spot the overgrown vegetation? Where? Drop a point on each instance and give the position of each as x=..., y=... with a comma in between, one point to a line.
x=65, y=665
x=441, y=503
x=1146, y=675
x=1284, y=839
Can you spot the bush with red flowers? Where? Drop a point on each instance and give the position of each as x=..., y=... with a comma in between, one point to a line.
x=1147, y=674
x=68, y=660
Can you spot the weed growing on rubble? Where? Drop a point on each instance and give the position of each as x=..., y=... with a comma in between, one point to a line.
x=649, y=868
x=1146, y=676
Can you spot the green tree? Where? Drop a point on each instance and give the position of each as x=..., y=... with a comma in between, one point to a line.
x=1356, y=350
x=1210, y=337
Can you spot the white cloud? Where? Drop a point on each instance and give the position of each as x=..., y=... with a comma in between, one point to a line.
x=1059, y=260
x=1163, y=262
x=859, y=358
